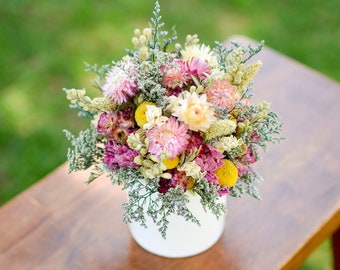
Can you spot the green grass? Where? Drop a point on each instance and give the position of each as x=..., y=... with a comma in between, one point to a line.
x=43, y=46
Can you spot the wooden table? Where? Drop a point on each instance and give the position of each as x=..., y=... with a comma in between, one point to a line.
x=60, y=223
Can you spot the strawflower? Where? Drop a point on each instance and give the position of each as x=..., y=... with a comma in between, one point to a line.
x=118, y=85
x=195, y=111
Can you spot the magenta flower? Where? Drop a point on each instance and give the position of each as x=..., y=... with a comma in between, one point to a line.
x=223, y=191
x=194, y=142
x=117, y=155
x=250, y=156
x=178, y=178
x=170, y=136
x=116, y=125
x=243, y=169
x=254, y=137
x=107, y=123
x=209, y=159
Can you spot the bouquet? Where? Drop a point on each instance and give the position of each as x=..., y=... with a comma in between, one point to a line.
x=174, y=119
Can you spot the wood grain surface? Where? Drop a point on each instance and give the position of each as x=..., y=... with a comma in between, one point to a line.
x=61, y=223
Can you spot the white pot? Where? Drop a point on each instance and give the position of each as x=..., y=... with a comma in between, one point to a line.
x=183, y=238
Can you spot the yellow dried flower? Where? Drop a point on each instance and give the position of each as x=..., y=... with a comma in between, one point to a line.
x=102, y=104
x=192, y=169
x=227, y=175
x=171, y=163
x=190, y=183
x=220, y=128
x=97, y=104
x=248, y=74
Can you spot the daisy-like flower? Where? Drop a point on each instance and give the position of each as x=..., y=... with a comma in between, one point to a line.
x=195, y=111
x=153, y=116
x=169, y=137
x=175, y=74
x=222, y=94
x=198, y=68
x=118, y=84
x=202, y=52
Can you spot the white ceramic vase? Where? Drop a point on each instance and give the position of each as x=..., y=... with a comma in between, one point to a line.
x=183, y=238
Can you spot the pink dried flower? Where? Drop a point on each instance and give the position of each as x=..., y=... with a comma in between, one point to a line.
x=175, y=74
x=243, y=169
x=224, y=191
x=209, y=159
x=222, y=94
x=119, y=85
x=254, y=137
x=107, y=123
x=126, y=118
x=198, y=68
x=116, y=125
x=169, y=136
x=249, y=157
x=117, y=155
x=194, y=142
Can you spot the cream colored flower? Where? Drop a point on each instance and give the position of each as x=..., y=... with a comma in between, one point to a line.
x=202, y=52
x=192, y=169
x=226, y=144
x=195, y=111
x=153, y=116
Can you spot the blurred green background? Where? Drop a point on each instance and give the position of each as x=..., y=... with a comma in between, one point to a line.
x=43, y=45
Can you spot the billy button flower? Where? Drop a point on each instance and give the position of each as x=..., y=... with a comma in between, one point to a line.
x=140, y=113
x=227, y=174
x=171, y=163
